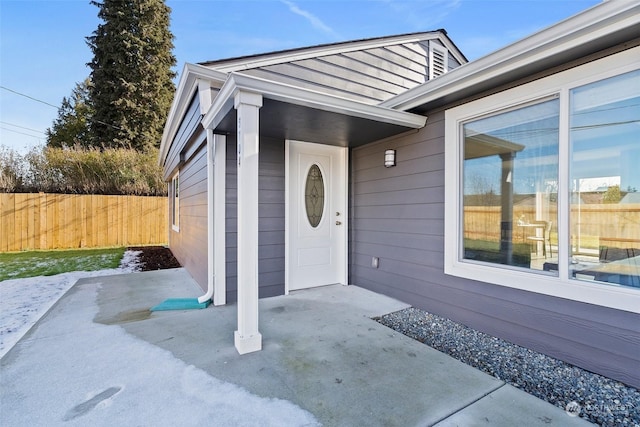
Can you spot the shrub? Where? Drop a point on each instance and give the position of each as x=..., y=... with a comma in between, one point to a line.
x=80, y=170
x=12, y=170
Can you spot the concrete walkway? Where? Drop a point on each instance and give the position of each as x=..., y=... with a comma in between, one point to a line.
x=321, y=352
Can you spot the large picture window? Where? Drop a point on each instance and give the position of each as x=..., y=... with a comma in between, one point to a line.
x=542, y=185
x=510, y=180
x=605, y=180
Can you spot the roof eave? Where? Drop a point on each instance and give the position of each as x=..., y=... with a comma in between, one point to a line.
x=187, y=86
x=580, y=30
x=237, y=82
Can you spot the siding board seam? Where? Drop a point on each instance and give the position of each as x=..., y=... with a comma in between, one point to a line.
x=411, y=65
x=346, y=93
x=410, y=54
x=399, y=88
x=399, y=176
x=423, y=187
x=347, y=81
x=413, y=82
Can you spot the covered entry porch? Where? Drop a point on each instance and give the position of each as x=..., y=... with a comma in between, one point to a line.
x=250, y=109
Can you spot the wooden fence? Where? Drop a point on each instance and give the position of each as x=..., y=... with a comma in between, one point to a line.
x=613, y=225
x=63, y=221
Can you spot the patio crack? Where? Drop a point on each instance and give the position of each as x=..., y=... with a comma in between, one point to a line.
x=473, y=402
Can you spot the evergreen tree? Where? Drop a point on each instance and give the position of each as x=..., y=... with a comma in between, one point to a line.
x=71, y=128
x=132, y=86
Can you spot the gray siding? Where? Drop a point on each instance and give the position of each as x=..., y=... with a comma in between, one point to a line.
x=398, y=216
x=271, y=218
x=184, y=138
x=370, y=75
x=189, y=245
x=187, y=155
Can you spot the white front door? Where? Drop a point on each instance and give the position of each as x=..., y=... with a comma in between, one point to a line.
x=316, y=217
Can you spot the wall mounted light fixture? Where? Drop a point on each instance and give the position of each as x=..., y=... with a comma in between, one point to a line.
x=389, y=158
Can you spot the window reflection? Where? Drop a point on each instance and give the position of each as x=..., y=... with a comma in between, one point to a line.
x=510, y=179
x=605, y=180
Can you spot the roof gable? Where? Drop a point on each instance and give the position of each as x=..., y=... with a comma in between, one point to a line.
x=369, y=71
x=350, y=77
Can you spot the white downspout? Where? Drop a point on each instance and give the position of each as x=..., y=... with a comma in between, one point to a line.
x=216, y=171
x=216, y=182
x=211, y=255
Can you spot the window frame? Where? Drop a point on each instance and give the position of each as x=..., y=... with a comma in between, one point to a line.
x=175, y=202
x=618, y=297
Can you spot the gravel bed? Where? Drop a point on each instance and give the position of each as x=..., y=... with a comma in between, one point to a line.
x=601, y=400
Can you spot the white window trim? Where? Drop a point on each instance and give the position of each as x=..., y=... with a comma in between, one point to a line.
x=175, y=216
x=613, y=296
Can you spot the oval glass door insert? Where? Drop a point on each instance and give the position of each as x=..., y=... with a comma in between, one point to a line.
x=314, y=195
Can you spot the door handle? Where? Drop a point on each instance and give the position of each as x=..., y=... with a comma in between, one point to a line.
x=338, y=223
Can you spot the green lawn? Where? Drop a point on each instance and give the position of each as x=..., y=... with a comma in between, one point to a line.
x=17, y=265
x=489, y=251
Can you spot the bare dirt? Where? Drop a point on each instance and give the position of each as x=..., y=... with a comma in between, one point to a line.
x=155, y=258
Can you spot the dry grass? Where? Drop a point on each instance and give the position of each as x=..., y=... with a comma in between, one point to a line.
x=77, y=170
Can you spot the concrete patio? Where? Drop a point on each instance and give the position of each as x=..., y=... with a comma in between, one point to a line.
x=321, y=352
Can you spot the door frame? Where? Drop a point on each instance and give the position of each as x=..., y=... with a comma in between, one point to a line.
x=287, y=201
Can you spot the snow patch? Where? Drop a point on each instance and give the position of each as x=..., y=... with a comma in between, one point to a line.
x=99, y=375
x=24, y=301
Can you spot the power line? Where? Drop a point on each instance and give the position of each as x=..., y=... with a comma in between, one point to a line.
x=30, y=97
x=107, y=124
x=21, y=133
x=22, y=127
x=51, y=105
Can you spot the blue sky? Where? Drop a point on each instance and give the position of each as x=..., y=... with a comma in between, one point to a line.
x=43, y=51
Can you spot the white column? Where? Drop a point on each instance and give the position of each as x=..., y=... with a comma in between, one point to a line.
x=247, y=337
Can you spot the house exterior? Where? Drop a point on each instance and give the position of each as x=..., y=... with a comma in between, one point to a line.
x=395, y=165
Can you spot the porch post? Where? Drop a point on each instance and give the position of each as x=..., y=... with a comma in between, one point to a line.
x=247, y=337
x=506, y=210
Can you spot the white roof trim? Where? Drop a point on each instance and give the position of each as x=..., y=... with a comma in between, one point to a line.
x=238, y=82
x=598, y=21
x=221, y=105
x=264, y=60
x=217, y=74
x=186, y=89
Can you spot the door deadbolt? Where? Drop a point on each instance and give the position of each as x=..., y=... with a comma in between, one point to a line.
x=338, y=223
